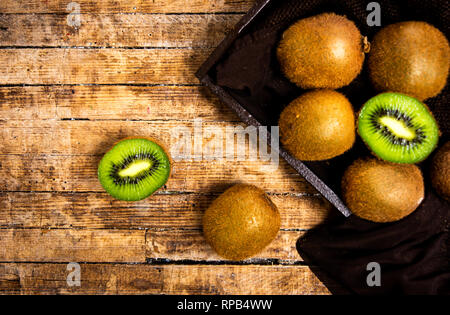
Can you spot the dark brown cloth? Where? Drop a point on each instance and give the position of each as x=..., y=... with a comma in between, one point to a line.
x=414, y=252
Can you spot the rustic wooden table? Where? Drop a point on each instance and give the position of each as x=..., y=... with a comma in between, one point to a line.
x=67, y=94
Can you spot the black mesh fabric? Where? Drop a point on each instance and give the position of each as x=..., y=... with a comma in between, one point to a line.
x=413, y=253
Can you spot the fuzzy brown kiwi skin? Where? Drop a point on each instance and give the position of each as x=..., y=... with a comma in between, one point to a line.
x=319, y=125
x=440, y=171
x=411, y=57
x=241, y=222
x=323, y=51
x=382, y=192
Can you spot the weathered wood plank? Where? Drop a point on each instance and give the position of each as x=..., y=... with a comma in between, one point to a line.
x=163, y=279
x=97, y=137
x=161, y=211
x=131, y=6
x=130, y=246
x=63, y=156
x=36, y=245
x=100, y=66
x=116, y=30
x=79, y=174
x=112, y=102
x=191, y=246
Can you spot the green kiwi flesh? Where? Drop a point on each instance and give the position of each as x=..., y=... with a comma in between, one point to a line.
x=381, y=191
x=134, y=169
x=398, y=128
x=241, y=222
x=440, y=171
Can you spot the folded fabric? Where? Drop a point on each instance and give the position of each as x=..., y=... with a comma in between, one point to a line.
x=412, y=254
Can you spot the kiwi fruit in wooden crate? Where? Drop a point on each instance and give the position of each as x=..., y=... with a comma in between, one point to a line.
x=411, y=57
x=323, y=51
x=381, y=191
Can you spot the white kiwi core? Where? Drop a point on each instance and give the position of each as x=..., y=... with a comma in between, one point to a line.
x=398, y=128
x=135, y=168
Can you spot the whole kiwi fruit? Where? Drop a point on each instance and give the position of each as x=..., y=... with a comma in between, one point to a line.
x=319, y=125
x=323, y=51
x=410, y=58
x=440, y=171
x=381, y=191
x=241, y=222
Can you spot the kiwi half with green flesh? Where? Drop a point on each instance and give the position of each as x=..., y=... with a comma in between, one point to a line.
x=398, y=128
x=412, y=58
x=134, y=169
x=319, y=125
x=440, y=171
x=381, y=191
x=323, y=51
x=241, y=222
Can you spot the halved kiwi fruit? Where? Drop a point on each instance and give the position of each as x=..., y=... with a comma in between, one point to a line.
x=134, y=169
x=322, y=51
x=381, y=191
x=241, y=222
x=398, y=128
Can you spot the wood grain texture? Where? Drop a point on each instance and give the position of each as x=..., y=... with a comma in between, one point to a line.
x=63, y=156
x=191, y=246
x=112, y=103
x=131, y=6
x=160, y=279
x=96, y=137
x=161, y=211
x=67, y=95
x=29, y=172
x=116, y=30
x=127, y=246
x=100, y=66
x=36, y=245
